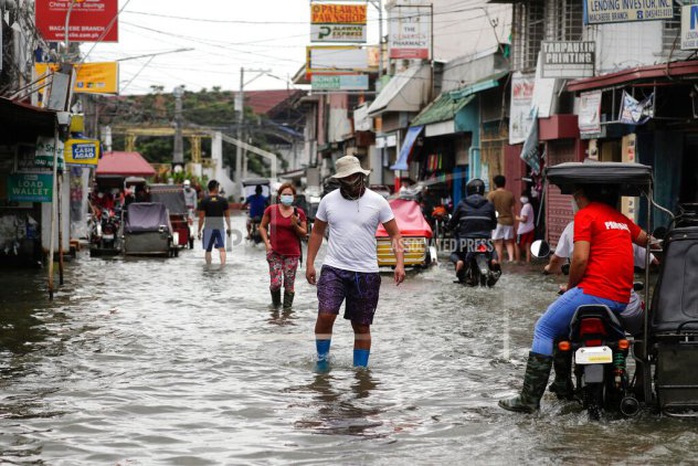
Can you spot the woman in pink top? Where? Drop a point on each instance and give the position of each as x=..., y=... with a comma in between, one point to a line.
x=282, y=228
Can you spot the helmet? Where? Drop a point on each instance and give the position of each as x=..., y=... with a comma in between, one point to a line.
x=187, y=183
x=475, y=186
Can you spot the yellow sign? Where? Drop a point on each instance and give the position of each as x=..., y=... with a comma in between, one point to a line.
x=324, y=13
x=90, y=78
x=81, y=152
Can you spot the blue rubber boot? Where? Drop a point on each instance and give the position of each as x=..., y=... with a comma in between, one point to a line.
x=361, y=357
x=323, y=355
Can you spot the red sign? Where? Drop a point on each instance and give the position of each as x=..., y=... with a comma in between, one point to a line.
x=90, y=20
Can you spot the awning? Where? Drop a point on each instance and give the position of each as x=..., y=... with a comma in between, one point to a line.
x=406, y=148
x=484, y=84
x=405, y=92
x=22, y=122
x=124, y=164
x=657, y=73
x=444, y=108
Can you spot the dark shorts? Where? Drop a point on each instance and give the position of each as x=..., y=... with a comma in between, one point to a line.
x=213, y=238
x=361, y=291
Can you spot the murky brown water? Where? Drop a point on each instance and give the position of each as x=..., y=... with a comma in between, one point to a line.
x=166, y=361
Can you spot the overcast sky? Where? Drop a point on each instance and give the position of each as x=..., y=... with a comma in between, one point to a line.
x=225, y=35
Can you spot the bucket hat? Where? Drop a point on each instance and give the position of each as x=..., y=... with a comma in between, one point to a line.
x=347, y=166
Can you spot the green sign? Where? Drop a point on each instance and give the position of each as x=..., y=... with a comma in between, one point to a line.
x=30, y=187
x=44, y=153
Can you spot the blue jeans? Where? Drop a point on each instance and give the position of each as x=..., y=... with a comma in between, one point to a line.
x=555, y=322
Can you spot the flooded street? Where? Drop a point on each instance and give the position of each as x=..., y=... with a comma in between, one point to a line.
x=144, y=361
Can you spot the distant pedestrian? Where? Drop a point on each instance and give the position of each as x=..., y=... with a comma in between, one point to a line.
x=256, y=202
x=213, y=211
x=190, y=200
x=350, y=269
x=282, y=228
x=526, y=229
x=503, y=235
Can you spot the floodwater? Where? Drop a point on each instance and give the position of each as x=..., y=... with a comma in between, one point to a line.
x=147, y=361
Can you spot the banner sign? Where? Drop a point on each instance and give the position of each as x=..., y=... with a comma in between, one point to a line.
x=43, y=157
x=82, y=152
x=689, y=27
x=90, y=78
x=589, y=118
x=30, y=187
x=568, y=59
x=340, y=82
x=530, y=152
x=328, y=13
x=338, y=60
x=520, y=112
x=338, y=33
x=634, y=112
x=90, y=20
x=626, y=11
x=409, y=32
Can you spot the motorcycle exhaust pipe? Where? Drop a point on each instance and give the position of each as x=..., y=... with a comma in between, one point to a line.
x=629, y=406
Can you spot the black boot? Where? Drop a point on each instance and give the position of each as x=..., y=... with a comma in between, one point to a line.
x=275, y=299
x=562, y=385
x=535, y=380
x=288, y=299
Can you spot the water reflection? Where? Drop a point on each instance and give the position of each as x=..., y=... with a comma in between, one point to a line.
x=282, y=317
x=341, y=412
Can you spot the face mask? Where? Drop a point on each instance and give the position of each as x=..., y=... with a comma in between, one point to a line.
x=351, y=189
x=287, y=199
x=100, y=195
x=524, y=200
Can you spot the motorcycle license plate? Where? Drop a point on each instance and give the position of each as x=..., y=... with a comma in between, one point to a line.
x=108, y=237
x=594, y=355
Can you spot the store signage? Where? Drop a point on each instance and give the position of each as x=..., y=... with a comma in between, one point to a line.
x=689, y=27
x=409, y=32
x=30, y=187
x=43, y=157
x=589, y=118
x=520, y=112
x=340, y=82
x=90, y=20
x=82, y=152
x=568, y=59
x=90, y=78
x=626, y=11
x=328, y=13
x=355, y=33
x=338, y=60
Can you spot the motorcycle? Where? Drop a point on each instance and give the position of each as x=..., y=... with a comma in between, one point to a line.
x=478, y=268
x=104, y=233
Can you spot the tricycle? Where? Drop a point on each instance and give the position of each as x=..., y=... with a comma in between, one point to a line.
x=148, y=231
x=416, y=236
x=665, y=351
x=173, y=197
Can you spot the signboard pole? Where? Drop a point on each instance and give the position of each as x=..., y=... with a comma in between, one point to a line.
x=59, y=199
x=53, y=213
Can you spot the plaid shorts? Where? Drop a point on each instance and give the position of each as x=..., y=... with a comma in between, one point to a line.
x=360, y=290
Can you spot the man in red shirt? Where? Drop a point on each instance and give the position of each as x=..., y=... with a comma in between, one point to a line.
x=601, y=273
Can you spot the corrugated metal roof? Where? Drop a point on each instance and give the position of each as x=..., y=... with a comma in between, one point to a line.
x=444, y=108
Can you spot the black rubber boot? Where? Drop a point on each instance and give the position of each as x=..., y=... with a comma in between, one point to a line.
x=288, y=299
x=275, y=299
x=562, y=386
x=535, y=380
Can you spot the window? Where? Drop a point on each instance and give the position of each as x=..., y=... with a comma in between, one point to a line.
x=528, y=30
x=566, y=20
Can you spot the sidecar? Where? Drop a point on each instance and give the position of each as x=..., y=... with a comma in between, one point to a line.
x=416, y=236
x=148, y=231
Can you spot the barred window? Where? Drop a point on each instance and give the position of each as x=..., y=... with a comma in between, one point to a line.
x=528, y=31
x=565, y=20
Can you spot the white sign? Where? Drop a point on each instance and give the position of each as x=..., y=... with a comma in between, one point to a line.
x=339, y=82
x=589, y=118
x=409, y=32
x=568, y=59
x=338, y=59
x=625, y=11
x=689, y=27
x=520, y=115
x=362, y=122
x=338, y=33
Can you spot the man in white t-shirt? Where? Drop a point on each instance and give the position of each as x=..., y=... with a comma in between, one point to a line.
x=349, y=272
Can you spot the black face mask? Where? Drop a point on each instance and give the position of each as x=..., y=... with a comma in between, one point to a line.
x=353, y=189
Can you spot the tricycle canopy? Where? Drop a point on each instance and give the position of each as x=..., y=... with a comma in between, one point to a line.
x=249, y=185
x=409, y=218
x=633, y=179
x=172, y=195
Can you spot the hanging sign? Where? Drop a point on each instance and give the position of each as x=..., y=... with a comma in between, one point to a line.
x=355, y=33
x=328, y=13
x=89, y=21
x=626, y=11
x=82, y=152
x=340, y=82
x=568, y=59
x=520, y=110
x=409, y=32
x=634, y=112
x=90, y=78
x=589, y=118
x=689, y=27
x=30, y=187
x=43, y=156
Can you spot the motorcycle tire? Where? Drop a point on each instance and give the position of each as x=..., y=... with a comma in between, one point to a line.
x=593, y=396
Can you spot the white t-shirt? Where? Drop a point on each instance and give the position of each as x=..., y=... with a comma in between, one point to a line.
x=565, y=246
x=352, y=229
x=525, y=227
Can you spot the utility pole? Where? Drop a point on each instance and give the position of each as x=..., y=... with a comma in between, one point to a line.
x=178, y=156
x=240, y=108
x=378, y=4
